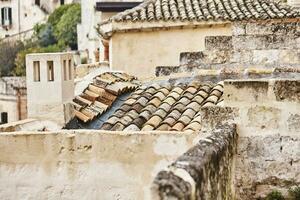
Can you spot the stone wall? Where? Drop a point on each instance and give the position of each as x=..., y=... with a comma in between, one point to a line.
x=85, y=164
x=268, y=121
x=265, y=44
x=203, y=172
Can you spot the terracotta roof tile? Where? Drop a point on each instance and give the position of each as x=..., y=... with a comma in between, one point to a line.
x=165, y=107
x=101, y=94
x=204, y=10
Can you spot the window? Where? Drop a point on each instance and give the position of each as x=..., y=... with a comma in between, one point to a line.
x=50, y=70
x=70, y=70
x=62, y=2
x=6, y=16
x=65, y=70
x=4, y=118
x=37, y=2
x=36, y=71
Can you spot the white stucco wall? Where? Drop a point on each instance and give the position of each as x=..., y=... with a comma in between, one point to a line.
x=25, y=14
x=46, y=99
x=85, y=164
x=139, y=53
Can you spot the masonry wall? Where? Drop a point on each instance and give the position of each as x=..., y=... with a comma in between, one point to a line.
x=268, y=120
x=203, y=172
x=85, y=164
x=140, y=52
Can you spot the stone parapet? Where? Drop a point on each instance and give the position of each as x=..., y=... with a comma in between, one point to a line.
x=203, y=172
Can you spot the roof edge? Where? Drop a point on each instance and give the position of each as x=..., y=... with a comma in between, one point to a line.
x=107, y=28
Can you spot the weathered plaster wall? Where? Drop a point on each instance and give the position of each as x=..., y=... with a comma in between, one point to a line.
x=140, y=52
x=47, y=99
x=268, y=119
x=204, y=172
x=85, y=164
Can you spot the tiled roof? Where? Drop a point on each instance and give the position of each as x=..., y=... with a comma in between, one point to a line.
x=202, y=10
x=165, y=107
x=100, y=95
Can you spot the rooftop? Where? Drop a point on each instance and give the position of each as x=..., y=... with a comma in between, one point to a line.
x=194, y=10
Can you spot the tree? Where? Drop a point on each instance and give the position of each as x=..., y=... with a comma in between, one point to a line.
x=8, y=53
x=66, y=29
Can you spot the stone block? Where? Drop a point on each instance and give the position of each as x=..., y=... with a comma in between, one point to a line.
x=294, y=122
x=166, y=70
x=245, y=91
x=274, y=28
x=257, y=42
x=238, y=28
x=263, y=117
x=218, y=42
x=276, y=56
x=205, y=57
x=287, y=90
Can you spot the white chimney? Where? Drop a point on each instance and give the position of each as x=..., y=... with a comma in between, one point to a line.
x=50, y=86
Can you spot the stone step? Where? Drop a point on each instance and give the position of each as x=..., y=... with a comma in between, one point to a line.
x=249, y=57
x=218, y=42
x=267, y=42
x=274, y=28
x=205, y=57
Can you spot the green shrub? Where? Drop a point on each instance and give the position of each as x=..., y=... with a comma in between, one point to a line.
x=275, y=195
x=65, y=30
x=8, y=54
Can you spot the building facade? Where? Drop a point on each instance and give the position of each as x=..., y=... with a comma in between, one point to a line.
x=93, y=13
x=152, y=35
x=13, y=99
x=19, y=17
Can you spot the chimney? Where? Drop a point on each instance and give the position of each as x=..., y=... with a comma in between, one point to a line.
x=50, y=86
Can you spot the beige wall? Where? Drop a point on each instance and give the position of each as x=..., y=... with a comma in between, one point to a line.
x=46, y=99
x=139, y=53
x=268, y=122
x=85, y=164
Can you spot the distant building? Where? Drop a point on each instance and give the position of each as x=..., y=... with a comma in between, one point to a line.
x=13, y=99
x=19, y=17
x=156, y=32
x=93, y=13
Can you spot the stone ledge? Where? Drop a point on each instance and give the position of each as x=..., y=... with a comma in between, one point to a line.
x=205, y=169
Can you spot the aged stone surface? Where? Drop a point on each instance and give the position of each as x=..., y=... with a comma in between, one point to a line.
x=207, y=167
x=266, y=162
x=263, y=117
x=294, y=122
x=287, y=90
x=218, y=42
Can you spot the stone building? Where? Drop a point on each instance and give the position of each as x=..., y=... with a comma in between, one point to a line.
x=94, y=12
x=221, y=124
x=19, y=17
x=156, y=32
x=13, y=99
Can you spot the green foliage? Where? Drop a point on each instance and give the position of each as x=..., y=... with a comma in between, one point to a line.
x=55, y=17
x=44, y=34
x=20, y=69
x=66, y=29
x=8, y=53
x=275, y=195
x=294, y=193
x=58, y=34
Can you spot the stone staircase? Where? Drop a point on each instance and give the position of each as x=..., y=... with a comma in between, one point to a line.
x=260, y=46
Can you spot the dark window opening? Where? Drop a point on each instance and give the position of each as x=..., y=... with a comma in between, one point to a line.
x=6, y=16
x=37, y=2
x=4, y=118
x=50, y=70
x=62, y=2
